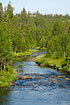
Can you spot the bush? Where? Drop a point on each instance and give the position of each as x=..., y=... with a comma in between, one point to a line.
x=9, y=69
x=5, y=84
x=7, y=76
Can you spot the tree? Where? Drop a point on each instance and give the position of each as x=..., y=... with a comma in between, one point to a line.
x=56, y=29
x=1, y=12
x=5, y=49
x=9, y=11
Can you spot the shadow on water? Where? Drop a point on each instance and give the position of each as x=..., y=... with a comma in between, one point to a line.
x=40, y=89
x=4, y=94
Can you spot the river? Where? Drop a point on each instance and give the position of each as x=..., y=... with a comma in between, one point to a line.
x=43, y=90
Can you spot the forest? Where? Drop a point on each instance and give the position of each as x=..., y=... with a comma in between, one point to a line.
x=24, y=31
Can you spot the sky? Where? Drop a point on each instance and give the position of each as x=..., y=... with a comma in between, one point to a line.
x=43, y=6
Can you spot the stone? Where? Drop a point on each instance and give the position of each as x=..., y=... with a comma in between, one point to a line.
x=67, y=78
x=54, y=81
x=29, y=84
x=11, y=84
x=64, y=86
x=21, y=86
x=57, y=77
x=50, y=80
x=26, y=77
x=42, y=65
x=27, y=74
x=36, y=64
x=62, y=76
x=18, y=77
x=36, y=77
x=41, y=82
x=54, y=77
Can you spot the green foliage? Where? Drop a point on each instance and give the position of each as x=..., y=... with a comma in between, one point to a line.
x=9, y=11
x=21, y=32
x=51, y=62
x=7, y=77
x=43, y=49
x=9, y=69
x=37, y=48
x=20, y=65
x=40, y=59
x=1, y=12
x=26, y=53
x=56, y=29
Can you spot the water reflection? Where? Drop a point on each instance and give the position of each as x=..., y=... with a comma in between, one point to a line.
x=4, y=96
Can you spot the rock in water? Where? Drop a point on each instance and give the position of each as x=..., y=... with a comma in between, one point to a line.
x=67, y=78
x=26, y=77
x=11, y=84
x=36, y=64
x=36, y=77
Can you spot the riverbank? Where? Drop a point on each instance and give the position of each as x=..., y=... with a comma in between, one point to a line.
x=7, y=77
x=58, y=64
x=24, y=55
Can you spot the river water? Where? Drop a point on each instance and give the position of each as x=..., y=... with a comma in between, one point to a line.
x=43, y=90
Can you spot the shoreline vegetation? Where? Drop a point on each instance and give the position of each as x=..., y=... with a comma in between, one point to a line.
x=24, y=55
x=58, y=64
x=9, y=75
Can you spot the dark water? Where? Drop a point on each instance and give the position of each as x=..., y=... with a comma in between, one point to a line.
x=42, y=91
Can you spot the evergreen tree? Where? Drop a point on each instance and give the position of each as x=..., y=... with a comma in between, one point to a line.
x=1, y=12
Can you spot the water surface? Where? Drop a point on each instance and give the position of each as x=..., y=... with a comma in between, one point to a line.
x=42, y=91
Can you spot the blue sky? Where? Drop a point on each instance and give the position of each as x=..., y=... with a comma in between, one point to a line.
x=44, y=6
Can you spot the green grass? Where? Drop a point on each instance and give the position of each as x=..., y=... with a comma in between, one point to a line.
x=51, y=62
x=20, y=56
x=7, y=77
x=43, y=49
x=37, y=48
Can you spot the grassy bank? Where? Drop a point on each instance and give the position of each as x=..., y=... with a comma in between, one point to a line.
x=24, y=55
x=7, y=77
x=58, y=64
